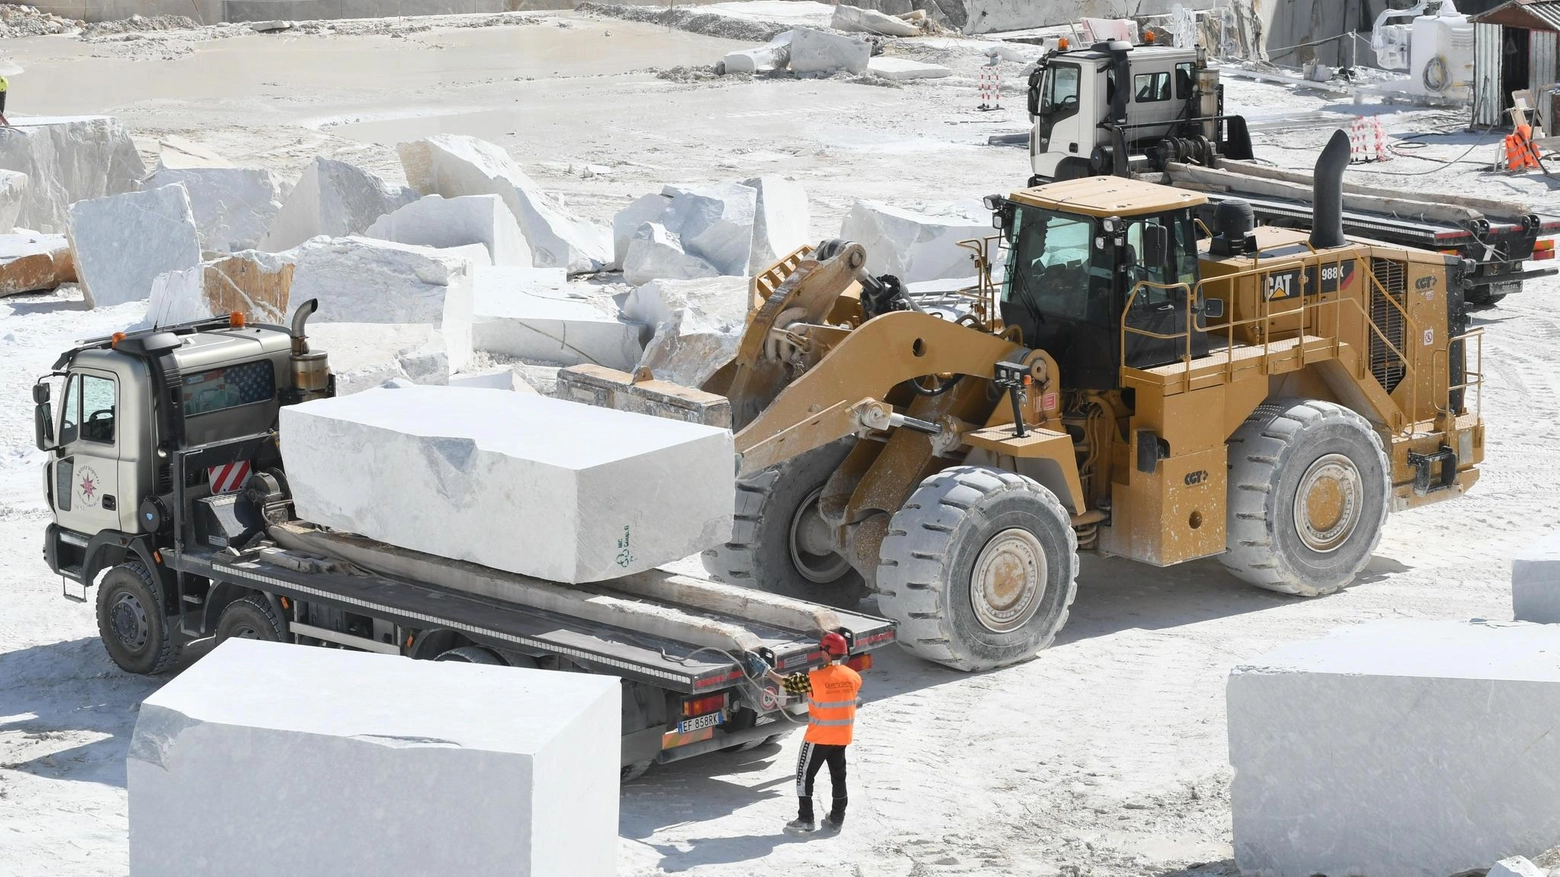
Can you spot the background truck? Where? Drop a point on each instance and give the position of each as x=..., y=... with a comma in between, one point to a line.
x=1157, y=112
x=164, y=471
x=1132, y=386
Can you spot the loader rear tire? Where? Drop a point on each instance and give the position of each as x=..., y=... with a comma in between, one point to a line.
x=1309, y=491
x=778, y=544
x=979, y=568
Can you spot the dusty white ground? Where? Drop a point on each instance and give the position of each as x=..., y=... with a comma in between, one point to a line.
x=1106, y=754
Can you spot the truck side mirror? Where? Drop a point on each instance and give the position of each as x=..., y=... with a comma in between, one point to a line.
x=40, y=393
x=43, y=424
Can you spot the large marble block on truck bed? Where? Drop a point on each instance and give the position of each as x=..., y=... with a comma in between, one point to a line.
x=1404, y=748
x=379, y=765
x=532, y=485
x=1535, y=581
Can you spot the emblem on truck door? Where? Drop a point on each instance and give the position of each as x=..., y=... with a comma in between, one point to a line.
x=88, y=487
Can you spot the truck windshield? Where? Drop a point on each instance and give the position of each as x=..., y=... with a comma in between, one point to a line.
x=1048, y=270
x=1059, y=91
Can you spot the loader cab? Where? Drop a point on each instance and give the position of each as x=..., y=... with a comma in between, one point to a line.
x=1087, y=256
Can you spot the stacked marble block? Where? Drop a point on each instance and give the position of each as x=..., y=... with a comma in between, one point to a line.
x=1397, y=749
x=267, y=759
x=1535, y=581
x=527, y=484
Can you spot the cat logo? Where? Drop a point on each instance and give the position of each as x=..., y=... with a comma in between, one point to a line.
x=1195, y=478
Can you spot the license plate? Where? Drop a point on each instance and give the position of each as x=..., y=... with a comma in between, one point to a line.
x=699, y=723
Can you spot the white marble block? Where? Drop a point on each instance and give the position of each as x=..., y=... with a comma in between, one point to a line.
x=781, y=223
x=335, y=199
x=543, y=487
x=714, y=223
x=902, y=69
x=68, y=159
x=1535, y=581
x=376, y=764
x=815, y=51
x=365, y=355
x=1397, y=748
x=773, y=55
x=646, y=208
x=690, y=347
x=917, y=244
x=516, y=313
x=655, y=252
x=31, y=262
x=13, y=188
x=452, y=165
x=852, y=19
x=233, y=207
x=725, y=299
x=436, y=221
x=121, y=243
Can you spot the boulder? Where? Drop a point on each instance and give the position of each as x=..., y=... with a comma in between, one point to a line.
x=68, y=160
x=689, y=348
x=919, y=244
x=365, y=355
x=121, y=243
x=781, y=220
x=714, y=223
x=453, y=165
x=515, y=315
x=723, y=299
x=361, y=280
x=13, y=190
x=251, y=283
x=852, y=19
x=506, y=378
x=436, y=221
x=773, y=55
x=335, y=199
x=1406, y=747
x=606, y=493
x=233, y=207
x=378, y=765
x=654, y=252
x=647, y=208
x=814, y=51
x=30, y=262
x=902, y=69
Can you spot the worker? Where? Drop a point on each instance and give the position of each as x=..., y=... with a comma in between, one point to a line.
x=5, y=85
x=831, y=692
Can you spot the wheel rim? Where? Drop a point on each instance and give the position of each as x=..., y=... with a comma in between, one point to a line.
x=244, y=631
x=1008, y=581
x=129, y=622
x=812, y=545
x=1329, y=503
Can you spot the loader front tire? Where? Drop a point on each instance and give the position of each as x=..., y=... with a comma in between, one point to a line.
x=779, y=543
x=979, y=568
x=1309, y=491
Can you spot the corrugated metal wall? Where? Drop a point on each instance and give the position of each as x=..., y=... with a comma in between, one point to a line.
x=1541, y=74
x=1486, y=75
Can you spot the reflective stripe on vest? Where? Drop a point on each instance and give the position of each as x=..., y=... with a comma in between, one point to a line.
x=831, y=706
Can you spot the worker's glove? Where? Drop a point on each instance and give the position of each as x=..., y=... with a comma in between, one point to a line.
x=754, y=664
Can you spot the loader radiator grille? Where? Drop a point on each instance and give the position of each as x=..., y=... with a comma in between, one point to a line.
x=1385, y=364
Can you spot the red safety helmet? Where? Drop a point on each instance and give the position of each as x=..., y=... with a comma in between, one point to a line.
x=834, y=645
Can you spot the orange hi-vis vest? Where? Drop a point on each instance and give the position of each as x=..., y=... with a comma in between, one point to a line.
x=831, y=706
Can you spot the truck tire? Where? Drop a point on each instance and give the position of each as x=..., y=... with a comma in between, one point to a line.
x=979, y=568
x=472, y=655
x=133, y=623
x=251, y=618
x=1309, y=491
x=778, y=542
x=630, y=772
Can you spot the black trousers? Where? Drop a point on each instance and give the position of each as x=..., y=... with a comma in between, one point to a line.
x=808, y=762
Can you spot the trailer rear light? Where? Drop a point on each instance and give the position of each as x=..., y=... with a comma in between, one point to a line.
x=1544, y=249
x=1543, y=254
x=698, y=706
x=860, y=663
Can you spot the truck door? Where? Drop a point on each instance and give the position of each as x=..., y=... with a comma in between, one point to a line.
x=85, y=472
x=1065, y=119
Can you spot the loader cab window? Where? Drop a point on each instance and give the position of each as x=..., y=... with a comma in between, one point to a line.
x=1059, y=292
x=1160, y=252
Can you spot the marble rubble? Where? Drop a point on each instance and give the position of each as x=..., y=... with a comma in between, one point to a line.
x=917, y=244
x=656, y=252
x=366, y=355
x=773, y=55
x=453, y=165
x=904, y=69
x=30, y=262
x=335, y=199
x=233, y=207
x=526, y=313
x=1406, y=747
x=782, y=221
x=121, y=243
x=723, y=298
x=1516, y=866
x=714, y=222
x=605, y=493
x=360, y=280
x=815, y=51
x=646, y=208
x=235, y=743
x=67, y=159
x=689, y=348
x=1535, y=581
x=436, y=221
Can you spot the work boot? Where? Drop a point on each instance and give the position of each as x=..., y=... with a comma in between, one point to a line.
x=834, y=823
x=800, y=826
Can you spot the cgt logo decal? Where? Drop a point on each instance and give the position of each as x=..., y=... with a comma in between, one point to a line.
x=1195, y=478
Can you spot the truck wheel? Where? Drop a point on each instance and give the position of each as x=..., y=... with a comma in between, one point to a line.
x=471, y=655
x=1309, y=493
x=979, y=568
x=251, y=618
x=779, y=542
x=132, y=622
x=630, y=772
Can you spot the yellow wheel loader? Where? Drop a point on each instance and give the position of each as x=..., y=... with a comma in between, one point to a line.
x=1122, y=379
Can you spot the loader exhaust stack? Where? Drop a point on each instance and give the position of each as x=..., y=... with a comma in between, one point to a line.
x=1327, y=194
